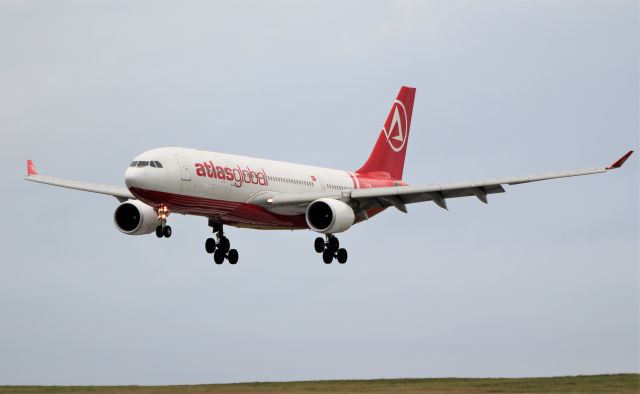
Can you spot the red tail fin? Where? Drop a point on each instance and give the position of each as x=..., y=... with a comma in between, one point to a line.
x=387, y=157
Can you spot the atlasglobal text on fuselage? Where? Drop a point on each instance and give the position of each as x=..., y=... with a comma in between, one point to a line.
x=257, y=193
x=238, y=176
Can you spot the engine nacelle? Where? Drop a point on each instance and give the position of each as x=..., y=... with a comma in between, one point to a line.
x=329, y=216
x=134, y=217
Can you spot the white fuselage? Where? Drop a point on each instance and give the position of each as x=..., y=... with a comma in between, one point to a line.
x=221, y=186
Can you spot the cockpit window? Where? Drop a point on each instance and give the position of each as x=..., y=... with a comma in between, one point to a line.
x=153, y=163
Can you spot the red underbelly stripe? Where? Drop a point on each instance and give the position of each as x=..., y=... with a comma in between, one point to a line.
x=226, y=211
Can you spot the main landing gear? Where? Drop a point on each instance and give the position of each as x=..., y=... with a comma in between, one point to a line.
x=163, y=230
x=221, y=248
x=330, y=249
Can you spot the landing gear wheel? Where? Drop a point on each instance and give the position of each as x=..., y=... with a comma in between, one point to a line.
x=222, y=248
x=327, y=256
x=319, y=245
x=333, y=244
x=342, y=255
x=166, y=231
x=232, y=256
x=218, y=256
x=224, y=244
x=159, y=232
x=210, y=245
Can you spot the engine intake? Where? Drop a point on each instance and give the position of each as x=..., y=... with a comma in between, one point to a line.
x=134, y=217
x=329, y=216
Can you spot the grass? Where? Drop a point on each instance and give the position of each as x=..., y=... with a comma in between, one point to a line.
x=622, y=383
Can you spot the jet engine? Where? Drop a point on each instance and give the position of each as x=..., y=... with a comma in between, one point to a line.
x=329, y=216
x=134, y=217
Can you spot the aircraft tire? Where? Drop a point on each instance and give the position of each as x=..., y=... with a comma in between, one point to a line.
x=166, y=231
x=319, y=245
x=333, y=244
x=224, y=244
x=232, y=256
x=218, y=257
x=342, y=255
x=210, y=245
x=327, y=256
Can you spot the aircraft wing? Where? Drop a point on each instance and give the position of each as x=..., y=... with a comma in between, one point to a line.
x=119, y=192
x=399, y=196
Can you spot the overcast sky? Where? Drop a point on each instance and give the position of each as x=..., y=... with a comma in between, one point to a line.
x=544, y=280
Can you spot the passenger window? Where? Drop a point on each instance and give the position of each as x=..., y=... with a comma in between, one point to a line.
x=152, y=164
x=133, y=164
x=143, y=163
x=158, y=164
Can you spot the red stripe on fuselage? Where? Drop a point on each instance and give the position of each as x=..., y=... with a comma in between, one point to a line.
x=353, y=179
x=227, y=212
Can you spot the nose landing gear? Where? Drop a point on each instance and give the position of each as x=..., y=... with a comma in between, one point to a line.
x=330, y=249
x=163, y=230
x=221, y=249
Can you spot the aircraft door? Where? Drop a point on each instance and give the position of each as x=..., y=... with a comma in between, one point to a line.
x=318, y=184
x=185, y=174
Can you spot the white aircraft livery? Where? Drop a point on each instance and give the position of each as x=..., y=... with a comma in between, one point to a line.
x=265, y=194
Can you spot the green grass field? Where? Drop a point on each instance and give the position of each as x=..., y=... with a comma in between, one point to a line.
x=623, y=383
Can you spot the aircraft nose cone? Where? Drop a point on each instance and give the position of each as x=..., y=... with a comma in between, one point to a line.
x=130, y=177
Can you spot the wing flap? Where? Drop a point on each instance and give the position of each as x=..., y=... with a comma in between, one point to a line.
x=398, y=196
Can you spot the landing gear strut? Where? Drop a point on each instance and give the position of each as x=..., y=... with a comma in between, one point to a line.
x=163, y=230
x=220, y=248
x=330, y=249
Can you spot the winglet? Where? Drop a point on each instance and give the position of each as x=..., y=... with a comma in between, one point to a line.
x=31, y=168
x=620, y=161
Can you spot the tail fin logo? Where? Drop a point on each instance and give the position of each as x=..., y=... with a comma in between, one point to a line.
x=397, y=133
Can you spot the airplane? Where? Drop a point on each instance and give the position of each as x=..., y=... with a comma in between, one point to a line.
x=256, y=193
